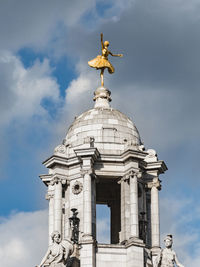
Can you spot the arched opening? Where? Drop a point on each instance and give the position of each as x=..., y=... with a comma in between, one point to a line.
x=108, y=194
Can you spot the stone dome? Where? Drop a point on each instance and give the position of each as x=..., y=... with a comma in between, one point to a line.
x=107, y=129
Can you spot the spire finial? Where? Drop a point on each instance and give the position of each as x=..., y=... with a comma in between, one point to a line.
x=101, y=61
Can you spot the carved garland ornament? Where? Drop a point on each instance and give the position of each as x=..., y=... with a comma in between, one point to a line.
x=77, y=187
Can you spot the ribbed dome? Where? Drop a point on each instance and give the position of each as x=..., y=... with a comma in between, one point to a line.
x=107, y=129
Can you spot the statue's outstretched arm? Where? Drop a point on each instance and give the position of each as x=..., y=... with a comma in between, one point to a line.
x=177, y=262
x=45, y=258
x=102, y=45
x=115, y=55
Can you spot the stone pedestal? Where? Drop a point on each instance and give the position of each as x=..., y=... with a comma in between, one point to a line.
x=73, y=262
x=88, y=254
x=119, y=256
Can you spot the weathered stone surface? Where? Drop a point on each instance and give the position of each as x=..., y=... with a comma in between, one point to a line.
x=103, y=161
x=109, y=128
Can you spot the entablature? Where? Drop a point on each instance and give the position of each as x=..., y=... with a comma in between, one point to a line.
x=105, y=165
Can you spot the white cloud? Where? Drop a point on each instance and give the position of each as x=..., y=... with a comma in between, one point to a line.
x=24, y=238
x=82, y=85
x=78, y=87
x=103, y=230
x=27, y=96
x=24, y=235
x=179, y=217
x=22, y=90
x=79, y=97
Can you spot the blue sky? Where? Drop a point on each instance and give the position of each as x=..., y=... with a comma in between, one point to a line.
x=45, y=81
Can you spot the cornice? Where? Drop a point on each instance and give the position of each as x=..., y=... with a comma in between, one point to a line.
x=87, y=152
x=155, y=183
x=159, y=165
x=98, y=158
x=55, y=159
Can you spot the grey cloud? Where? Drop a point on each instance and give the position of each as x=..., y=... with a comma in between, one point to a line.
x=7, y=97
x=32, y=23
x=160, y=42
x=158, y=77
x=156, y=83
x=162, y=45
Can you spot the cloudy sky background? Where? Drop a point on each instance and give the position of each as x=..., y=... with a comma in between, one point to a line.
x=45, y=81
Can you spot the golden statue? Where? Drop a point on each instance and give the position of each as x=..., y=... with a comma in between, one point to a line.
x=101, y=61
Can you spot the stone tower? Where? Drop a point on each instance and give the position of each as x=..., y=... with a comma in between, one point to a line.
x=103, y=161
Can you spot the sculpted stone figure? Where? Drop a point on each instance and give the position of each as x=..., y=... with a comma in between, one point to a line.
x=167, y=256
x=57, y=253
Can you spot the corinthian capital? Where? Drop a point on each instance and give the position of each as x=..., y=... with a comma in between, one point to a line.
x=49, y=195
x=155, y=183
x=130, y=174
x=58, y=179
x=136, y=174
x=87, y=171
x=124, y=178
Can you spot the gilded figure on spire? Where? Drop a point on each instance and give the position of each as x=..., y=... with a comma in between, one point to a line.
x=101, y=61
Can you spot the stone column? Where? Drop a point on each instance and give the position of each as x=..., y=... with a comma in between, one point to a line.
x=87, y=253
x=125, y=214
x=67, y=212
x=87, y=156
x=155, y=222
x=127, y=208
x=87, y=193
x=57, y=182
x=134, y=224
x=49, y=197
x=58, y=206
x=122, y=234
x=93, y=192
